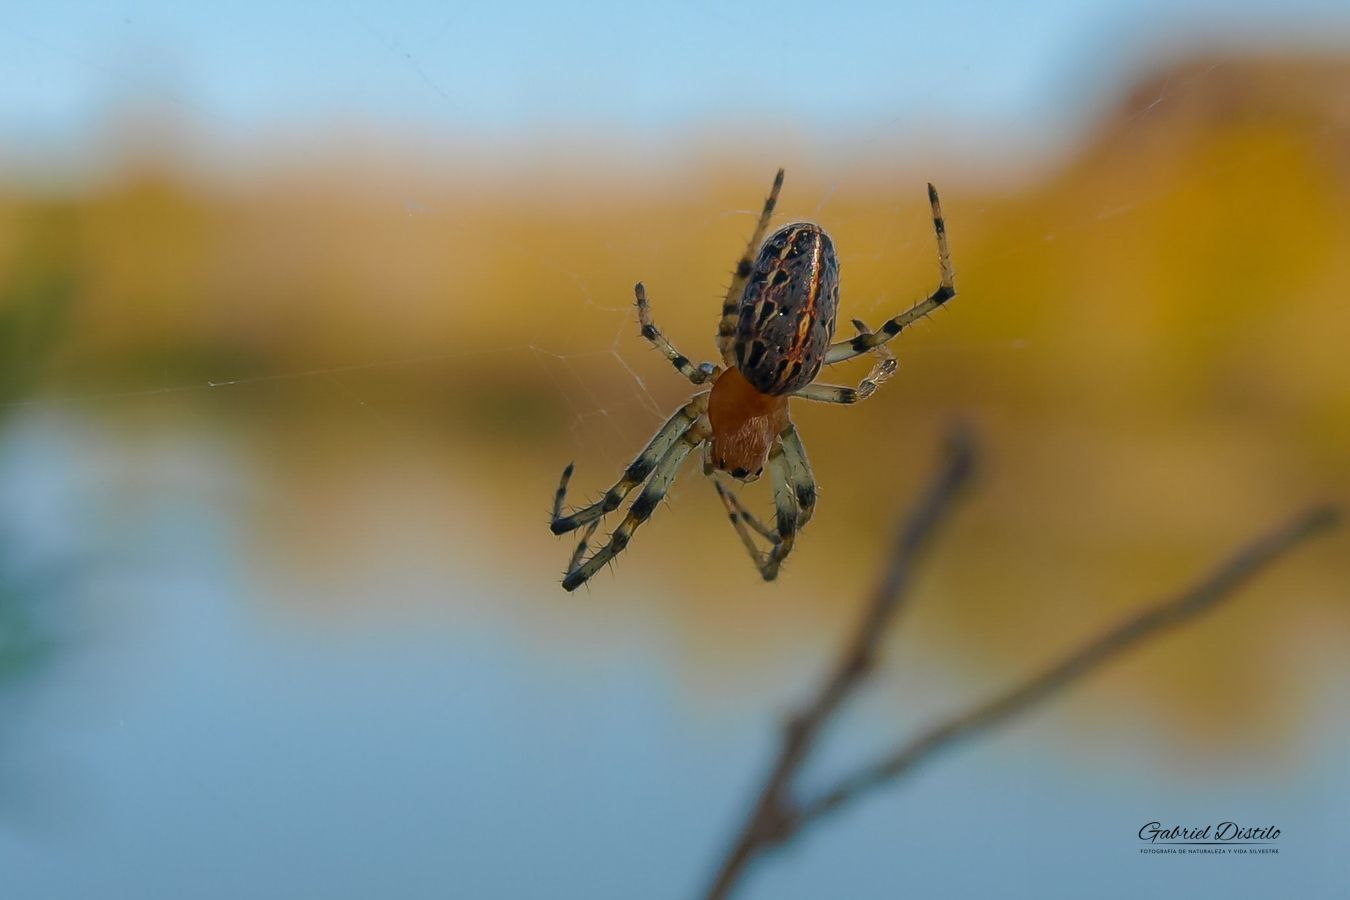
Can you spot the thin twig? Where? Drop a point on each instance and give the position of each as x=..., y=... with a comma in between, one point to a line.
x=1220, y=585
x=773, y=818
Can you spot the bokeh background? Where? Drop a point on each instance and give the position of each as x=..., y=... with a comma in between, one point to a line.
x=303, y=308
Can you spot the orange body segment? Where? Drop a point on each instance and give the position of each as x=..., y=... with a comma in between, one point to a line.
x=744, y=424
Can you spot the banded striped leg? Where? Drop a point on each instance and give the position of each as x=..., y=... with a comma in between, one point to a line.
x=794, y=497
x=883, y=369
x=780, y=540
x=946, y=291
x=582, y=544
x=640, y=510
x=704, y=372
x=635, y=474
x=787, y=512
x=726, y=329
x=800, y=477
x=734, y=504
x=740, y=518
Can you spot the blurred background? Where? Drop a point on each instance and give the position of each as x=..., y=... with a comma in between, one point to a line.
x=304, y=307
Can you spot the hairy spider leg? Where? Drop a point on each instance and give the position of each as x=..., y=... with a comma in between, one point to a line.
x=639, y=511
x=766, y=561
x=946, y=291
x=799, y=475
x=882, y=370
x=794, y=494
x=786, y=511
x=703, y=373
x=740, y=518
x=734, y=505
x=582, y=544
x=731, y=306
x=635, y=474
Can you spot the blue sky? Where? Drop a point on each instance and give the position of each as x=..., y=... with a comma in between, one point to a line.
x=497, y=71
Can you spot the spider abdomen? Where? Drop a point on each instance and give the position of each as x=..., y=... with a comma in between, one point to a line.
x=787, y=313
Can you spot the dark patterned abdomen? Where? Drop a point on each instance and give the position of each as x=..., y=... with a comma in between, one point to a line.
x=788, y=310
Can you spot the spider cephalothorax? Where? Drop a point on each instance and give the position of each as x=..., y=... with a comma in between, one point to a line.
x=744, y=423
x=777, y=323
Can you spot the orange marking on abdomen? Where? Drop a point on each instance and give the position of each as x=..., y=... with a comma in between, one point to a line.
x=808, y=314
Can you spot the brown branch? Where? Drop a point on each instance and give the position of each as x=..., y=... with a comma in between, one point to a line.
x=773, y=818
x=1220, y=585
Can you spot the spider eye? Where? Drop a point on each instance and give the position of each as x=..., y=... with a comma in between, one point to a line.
x=739, y=472
x=721, y=462
x=759, y=471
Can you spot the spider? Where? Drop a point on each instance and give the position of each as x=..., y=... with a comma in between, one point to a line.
x=777, y=323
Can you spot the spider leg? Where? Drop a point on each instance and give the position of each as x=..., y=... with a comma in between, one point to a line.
x=585, y=542
x=635, y=474
x=800, y=478
x=946, y=291
x=681, y=362
x=883, y=369
x=641, y=509
x=787, y=468
x=788, y=513
x=740, y=514
x=726, y=329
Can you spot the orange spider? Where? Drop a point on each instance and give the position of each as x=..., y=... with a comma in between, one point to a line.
x=777, y=323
